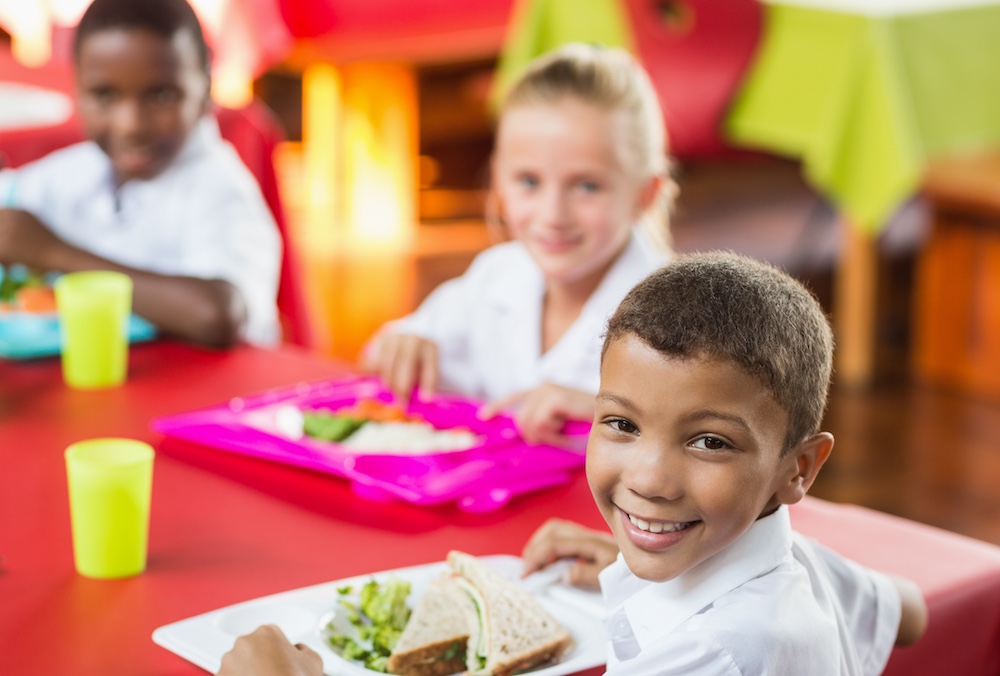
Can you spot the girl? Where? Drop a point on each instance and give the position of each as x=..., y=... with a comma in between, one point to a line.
x=580, y=160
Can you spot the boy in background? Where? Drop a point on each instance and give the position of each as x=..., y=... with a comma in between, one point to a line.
x=714, y=379
x=155, y=193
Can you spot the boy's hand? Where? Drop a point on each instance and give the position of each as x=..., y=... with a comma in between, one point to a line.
x=542, y=412
x=25, y=240
x=404, y=362
x=266, y=652
x=558, y=539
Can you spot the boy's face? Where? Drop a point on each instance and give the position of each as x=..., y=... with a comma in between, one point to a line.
x=684, y=456
x=140, y=95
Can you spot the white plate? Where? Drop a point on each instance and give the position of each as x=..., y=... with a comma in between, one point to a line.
x=302, y=613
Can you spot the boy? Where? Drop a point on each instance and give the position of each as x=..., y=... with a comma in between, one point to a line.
x=155, y=193
x=714, y=377
x=713, y=384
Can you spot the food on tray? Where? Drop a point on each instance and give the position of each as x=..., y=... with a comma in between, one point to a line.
x=25, y=291
x=373, y=426
x=377, y=614
x=506, y=630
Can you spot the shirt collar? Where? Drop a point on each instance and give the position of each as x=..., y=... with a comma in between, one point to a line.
x=525, y=280
x=631, y=266
x=654, y=609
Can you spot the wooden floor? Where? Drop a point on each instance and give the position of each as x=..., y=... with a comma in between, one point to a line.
x=919, y=452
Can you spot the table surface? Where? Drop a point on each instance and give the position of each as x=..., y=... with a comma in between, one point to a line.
x=227, y=528
x=224, y=528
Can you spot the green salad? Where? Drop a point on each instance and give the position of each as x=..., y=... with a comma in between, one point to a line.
x=377, y=614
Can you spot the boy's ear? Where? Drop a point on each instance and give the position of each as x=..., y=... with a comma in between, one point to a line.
x=803, y=465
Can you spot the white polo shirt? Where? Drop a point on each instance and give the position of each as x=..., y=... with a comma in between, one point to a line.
x=203, y=216
x=773, y=602
x=487, y=323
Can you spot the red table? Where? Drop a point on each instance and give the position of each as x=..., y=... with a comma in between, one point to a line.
x=228, y=528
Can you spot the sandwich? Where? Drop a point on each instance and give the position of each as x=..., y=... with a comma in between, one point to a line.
x=475, y=618
x=434, y=639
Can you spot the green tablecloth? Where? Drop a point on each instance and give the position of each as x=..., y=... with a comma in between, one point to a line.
x=865, y=100
x=538, y=26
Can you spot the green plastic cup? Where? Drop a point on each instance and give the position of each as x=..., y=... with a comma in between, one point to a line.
x=94, y=309
x=110, y=484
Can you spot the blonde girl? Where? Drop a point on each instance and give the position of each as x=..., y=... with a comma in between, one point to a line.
x=580, y=181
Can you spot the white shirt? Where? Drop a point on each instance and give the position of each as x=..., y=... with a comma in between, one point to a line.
x=487, y=323
x=773, y=602
x=203, y=216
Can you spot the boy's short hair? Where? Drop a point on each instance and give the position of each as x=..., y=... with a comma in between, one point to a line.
x=161, y=17
x=726, y=306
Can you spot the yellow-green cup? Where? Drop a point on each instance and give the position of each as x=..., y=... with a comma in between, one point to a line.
x=110, y=484
x=94, y=309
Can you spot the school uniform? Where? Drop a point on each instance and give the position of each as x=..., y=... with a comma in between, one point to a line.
x=772, y=602
x=487, y=323
x=203, y=216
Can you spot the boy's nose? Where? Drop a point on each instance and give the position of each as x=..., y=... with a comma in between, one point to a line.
x=128, y=117
x=653, y=475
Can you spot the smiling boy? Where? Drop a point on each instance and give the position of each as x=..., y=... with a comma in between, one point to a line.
x=155, y=193
x=713, y=385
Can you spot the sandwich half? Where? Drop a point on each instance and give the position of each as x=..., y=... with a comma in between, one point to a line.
x=509, y=630
x=434, y=639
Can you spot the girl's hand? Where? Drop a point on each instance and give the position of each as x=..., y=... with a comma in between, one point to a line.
x=541, y=412
x=266, y=652
x=558, y=539
x=404, y=362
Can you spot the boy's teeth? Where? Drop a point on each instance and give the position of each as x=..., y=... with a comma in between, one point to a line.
x=657, y=527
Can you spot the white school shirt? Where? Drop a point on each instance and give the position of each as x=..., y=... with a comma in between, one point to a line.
x=203, y=216
x=487, y=323
x=773, y=603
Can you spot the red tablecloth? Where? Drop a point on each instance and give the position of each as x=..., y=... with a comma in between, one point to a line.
x=227, y=528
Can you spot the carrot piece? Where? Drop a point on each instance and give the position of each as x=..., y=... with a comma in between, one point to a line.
x=36, y=299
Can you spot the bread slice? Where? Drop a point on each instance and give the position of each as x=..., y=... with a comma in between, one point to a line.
x=510, y=630
x=434, y=639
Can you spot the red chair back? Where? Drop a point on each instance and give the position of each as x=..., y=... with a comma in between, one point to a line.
x=255, y=133
x=695, y=52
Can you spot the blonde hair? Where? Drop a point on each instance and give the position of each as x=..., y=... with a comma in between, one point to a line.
x=611, y=79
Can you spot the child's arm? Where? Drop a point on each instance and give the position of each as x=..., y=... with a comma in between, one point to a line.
x=206, y=311
x=266, y=652
x=542, y=412
x=913, y=621
x=557, y=539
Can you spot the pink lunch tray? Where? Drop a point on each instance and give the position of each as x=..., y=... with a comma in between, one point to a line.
x=479, y=479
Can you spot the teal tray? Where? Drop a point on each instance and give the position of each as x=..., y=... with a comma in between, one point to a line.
x=29, y=336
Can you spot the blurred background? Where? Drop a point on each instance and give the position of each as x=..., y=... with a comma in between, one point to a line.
x=855, y=143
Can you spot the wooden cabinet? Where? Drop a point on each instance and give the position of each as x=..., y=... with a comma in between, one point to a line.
x=956, y=331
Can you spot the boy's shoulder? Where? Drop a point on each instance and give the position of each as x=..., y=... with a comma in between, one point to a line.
x=70, y=160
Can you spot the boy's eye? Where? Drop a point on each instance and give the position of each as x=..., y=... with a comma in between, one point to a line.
x=588, y=186
x=527, y=181
x=162, y=97
x=710, y=444
x=103, y=96
x=621, y=425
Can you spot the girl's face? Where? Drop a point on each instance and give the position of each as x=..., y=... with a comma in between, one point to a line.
x=566, y=186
